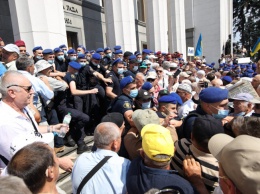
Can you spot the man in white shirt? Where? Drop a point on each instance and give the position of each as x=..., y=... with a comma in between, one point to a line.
x=16, y=119
x=185, y=92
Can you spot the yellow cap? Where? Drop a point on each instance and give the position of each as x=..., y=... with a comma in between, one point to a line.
x=157, y=140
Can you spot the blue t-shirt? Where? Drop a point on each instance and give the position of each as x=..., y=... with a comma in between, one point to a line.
x=2, y=69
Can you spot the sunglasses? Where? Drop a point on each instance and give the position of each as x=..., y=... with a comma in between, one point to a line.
x=26, y=88
x=159, y=71
x=150, y=80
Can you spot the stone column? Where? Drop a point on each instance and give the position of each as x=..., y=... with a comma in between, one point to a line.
x=120, y=24
x=38, y=22
x=156, y=25
x=176, y=26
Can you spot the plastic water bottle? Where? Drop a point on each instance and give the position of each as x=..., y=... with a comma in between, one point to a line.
x=66, y=121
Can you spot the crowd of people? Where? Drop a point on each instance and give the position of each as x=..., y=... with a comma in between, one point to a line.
x=160, y=123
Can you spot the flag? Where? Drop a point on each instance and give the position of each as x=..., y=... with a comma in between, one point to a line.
x=256, y=48
x=198, y=51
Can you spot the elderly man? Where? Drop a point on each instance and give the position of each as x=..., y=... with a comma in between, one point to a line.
x=185, y=92
x=217, y=83
x=111, y=177
x=256, y=82
x=10, y=54
x=16, y=119
x=139, y=80
x=152, y=169
x=238, y=163
x=242, y=105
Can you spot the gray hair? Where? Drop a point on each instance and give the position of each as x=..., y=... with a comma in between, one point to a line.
x=6, y=81
x=13, y=185
x=105, y=133
x=139, y=74
x=166, y=65
x=23, y=62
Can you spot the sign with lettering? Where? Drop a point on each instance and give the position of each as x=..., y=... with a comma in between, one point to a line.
x=68, y=21
x=72, y=8
x=190, y=51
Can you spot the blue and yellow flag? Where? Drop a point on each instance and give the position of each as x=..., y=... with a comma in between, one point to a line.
x=256, y=48
x=198, y=51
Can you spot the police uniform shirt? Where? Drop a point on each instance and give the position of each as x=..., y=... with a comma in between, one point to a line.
x=129, y=73
x=69, y=78
x=122, y=104
x=115, y=84
x=93, y=80
x=60, y=65
x=84, y=76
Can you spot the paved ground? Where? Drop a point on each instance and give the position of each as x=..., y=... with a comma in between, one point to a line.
x=64, y=181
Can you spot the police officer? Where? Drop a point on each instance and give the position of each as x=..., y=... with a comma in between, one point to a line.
x=107, y=59
x=89, y=78
x=124, y=105
x=37, y=53
x=113, y=89
x=59, y=60
x=65, y=105
x=48, y=55
x=133, y=67
x=81, y=49
x=101, y=52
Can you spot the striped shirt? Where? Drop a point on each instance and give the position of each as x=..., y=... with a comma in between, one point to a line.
x=208, y=162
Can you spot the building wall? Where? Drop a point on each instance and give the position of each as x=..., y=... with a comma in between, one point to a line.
x=6, y=29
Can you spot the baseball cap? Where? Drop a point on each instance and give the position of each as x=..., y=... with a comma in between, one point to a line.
x=185, y=87
x=183, y=74
x=12, y=48
x=151, y=75
x=242, y=96
x=114, y=117
x=143, y=94
x=239, y=158
x=41, y=65
x=144, y=117
x=157, y=140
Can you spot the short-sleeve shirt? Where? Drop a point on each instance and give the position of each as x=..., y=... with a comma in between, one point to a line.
x=115, y=84
x=69, y=78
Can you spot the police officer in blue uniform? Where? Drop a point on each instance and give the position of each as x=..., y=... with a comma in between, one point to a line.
x=65, y=104
x=37, y=52
x=107, y=59
x=113, y=89
x=124, y=105
x=133, y=67
x=59, y=60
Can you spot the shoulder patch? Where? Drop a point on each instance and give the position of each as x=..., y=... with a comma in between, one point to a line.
x=72, y=76
x=127, y=105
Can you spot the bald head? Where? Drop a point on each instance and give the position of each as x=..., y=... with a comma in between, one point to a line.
x=217, y=82
x=105, y=133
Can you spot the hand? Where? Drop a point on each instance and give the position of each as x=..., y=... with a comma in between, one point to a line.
x=175, y=123
x=94, y=91
x=57, y=128
x=191, y=168
x=66, y=163
x=107, y=80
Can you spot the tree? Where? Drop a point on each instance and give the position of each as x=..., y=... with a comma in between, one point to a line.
x=246, y=15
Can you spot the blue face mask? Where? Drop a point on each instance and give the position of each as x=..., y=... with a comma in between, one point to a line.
x=60, y=58
x=76, y=73
x=221, y=114
x=96, y=64
x=73, y=58
x=120, y=70
x=82, y=64
x=38, y=57
x=146, y=57
x=133, y=93
x=80, y=53
x=51, y=61
x=109, y=55
x=65, y=52
x=146, y=105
